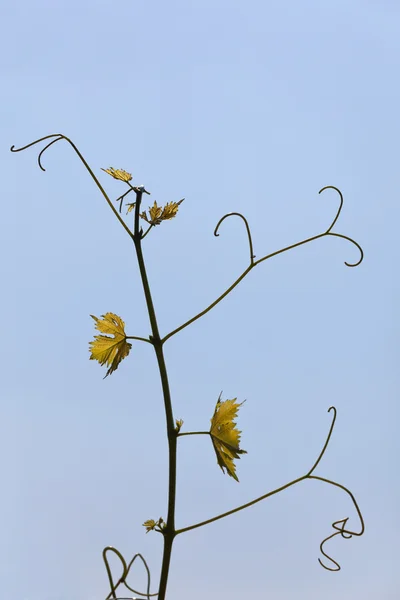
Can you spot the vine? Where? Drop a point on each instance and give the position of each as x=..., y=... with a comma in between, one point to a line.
x=223, y=433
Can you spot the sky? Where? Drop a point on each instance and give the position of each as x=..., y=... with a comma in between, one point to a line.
x=246, y=107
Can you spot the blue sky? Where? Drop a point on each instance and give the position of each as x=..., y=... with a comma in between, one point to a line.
x=249, y=107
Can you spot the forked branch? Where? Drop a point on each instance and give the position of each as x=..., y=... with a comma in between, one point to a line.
x=254, y=263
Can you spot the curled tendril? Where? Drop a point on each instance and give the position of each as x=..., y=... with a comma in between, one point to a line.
x=253, y=263
x=353, y=242
x=321, y=547
x=332, y=187
x=252, y=255
x=321, y=454
x=126, y=568
x=340, y=526
x=57, y=136
x=340, y=531
x=328, y=231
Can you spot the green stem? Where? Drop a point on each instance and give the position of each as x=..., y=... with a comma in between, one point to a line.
x=146, y=232
x=310, y=239
x=239, y=508
x=169, y=531
x=238, y=280
x=194, y=433
x=135, y=337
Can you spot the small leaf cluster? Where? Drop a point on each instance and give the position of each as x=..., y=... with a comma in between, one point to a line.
x=152, y=525
x=158, y=214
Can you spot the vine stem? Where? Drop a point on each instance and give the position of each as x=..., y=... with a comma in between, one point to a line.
x=194, y=433
x=205, y=311
x=242, y=507
x=169, y=531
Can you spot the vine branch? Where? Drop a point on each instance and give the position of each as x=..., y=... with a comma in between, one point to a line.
x=340, y=530
x=254, y=263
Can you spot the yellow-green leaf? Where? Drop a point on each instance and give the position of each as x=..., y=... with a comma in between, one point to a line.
x=170, y=210
x=224, y=435
x=119, y=174
x=150, y=524
x=157, y=214
x=130, y=206
x=109, y=350
x=179, y=423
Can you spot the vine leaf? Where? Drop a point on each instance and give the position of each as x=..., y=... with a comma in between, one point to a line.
x=119, y=174
x=224, y=435
x=157, y=214
x=152, y=525
x=109, y=350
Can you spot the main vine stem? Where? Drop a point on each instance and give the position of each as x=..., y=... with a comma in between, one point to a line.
x=169, y=531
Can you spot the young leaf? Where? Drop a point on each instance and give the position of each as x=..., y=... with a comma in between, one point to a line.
x=130, y=206
x=179, y=423
x=224, y=435
x=170, y=210
x=119, y=174
x=109, y=350
x=157, y=214
x=150, y=525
